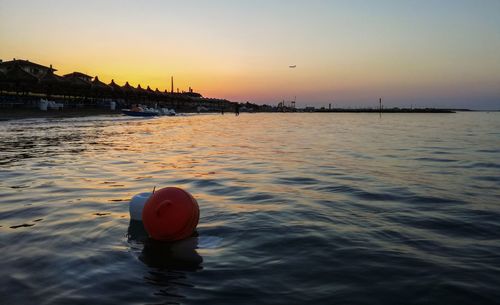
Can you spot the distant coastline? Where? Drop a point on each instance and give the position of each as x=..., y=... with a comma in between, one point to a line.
x=33, y=113
x=393, y=110
x=24, y=83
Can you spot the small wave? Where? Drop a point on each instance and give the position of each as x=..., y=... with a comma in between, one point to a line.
x=492, y=151
x=24, y=225
x=372, y=196
x=488, y=178
x=427, y=159
x=486, y=165
x=298, y=180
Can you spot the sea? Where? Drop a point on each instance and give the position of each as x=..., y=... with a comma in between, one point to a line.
x=295, y=208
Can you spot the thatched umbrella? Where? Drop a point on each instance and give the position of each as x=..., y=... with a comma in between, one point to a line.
x=141, y=92
x=129, y=91
x=116, y=89
x=77, y=85
x=150, y=94
x=51, y=83
x=127, y=87
x=100, y=89
x=158, y=93
x=21, y=80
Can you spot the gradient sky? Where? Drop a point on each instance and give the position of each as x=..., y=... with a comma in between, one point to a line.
x=349, y=53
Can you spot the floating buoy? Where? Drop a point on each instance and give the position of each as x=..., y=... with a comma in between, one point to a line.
x=137, y=204
x=170, y=214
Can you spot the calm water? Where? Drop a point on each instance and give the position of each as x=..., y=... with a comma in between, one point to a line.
x=295, y=209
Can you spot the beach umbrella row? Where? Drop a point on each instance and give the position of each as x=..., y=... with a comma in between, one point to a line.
x=18, y=80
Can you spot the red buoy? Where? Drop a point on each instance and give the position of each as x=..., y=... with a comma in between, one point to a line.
x=170, y=214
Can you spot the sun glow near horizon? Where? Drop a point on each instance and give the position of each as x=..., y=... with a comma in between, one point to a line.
x=353, y=53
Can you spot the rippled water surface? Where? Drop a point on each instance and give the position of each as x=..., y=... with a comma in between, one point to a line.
x=295, y=209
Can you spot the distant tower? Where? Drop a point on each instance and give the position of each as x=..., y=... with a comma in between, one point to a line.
x=330, y=106
x=171, y=84
x=380, y=104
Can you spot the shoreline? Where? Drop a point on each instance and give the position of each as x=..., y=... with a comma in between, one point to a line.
x=7, y=114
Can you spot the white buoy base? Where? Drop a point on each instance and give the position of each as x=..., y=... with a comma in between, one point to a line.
x=137, y=204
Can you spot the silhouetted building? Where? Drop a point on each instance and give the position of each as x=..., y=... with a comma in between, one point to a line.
x=79, y=75
x=32, y=68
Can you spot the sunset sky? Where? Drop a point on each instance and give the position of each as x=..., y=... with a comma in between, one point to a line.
x=349, y=53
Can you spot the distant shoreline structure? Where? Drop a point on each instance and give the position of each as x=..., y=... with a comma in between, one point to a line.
x=291, y=107
x=390, y=110
x=24, y=83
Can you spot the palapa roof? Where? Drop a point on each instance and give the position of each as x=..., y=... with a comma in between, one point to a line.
x=97, y=84
x=128, y=88
x=115, y=86
x=22, y=62
x=140, y=89
x=78, y=82
x=51, y=79
x=78, y=74
x=158, y=92
x=17, y=74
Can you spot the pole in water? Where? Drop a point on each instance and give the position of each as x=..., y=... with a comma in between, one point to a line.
x=380, y=107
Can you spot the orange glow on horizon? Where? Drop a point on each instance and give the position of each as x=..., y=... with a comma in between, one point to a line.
x=344, y=52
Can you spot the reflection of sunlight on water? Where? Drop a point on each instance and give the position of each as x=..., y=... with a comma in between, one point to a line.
x=326, y=194
x=251, y=208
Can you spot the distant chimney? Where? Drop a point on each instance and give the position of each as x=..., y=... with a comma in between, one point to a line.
x=50, y=66
x=171, y=84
